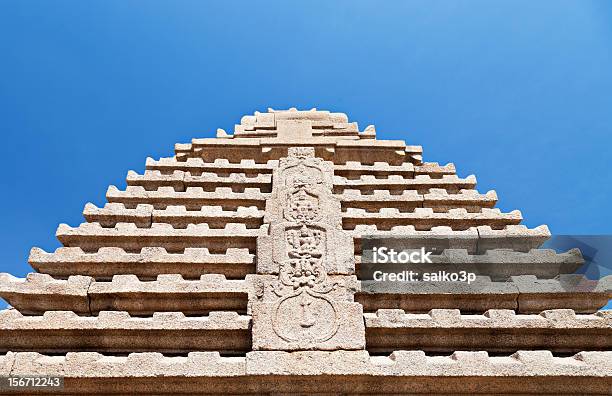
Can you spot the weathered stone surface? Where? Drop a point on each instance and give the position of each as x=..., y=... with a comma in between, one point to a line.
x=425, y=218
x=116, y=331
x=355, y=169
x=407, y=372
x=197, y=166
x=169, y=293
x=275, y=326
x=517, y=237
x=180, y=180
x=474, y=239
x=329, y=148
x=178, y=216
x=92, y=236
x=441, y=200
x=6, y=363
x=434, y=169
x=442, y=330
x=234, y=263
x=192, y=198
x=350, y=169
x=40, y=292
x=420, y=183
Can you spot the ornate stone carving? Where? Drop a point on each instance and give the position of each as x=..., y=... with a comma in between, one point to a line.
x=304, y=307
x=302, y=207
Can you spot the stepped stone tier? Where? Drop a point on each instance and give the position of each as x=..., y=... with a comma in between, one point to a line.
x=233, y=267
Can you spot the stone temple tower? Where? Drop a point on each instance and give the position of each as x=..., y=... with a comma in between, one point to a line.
x=231, y=268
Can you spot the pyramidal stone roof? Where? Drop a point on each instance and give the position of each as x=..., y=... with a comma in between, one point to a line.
x=231, y=268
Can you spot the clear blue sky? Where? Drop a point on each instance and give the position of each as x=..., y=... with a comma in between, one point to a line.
x=517, y=92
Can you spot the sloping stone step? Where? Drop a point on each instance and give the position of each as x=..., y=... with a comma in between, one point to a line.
x=193, y=197
x=524, y=294
x=40, y=292
x=355, y=169
x=408, y=200
x=151, y=180
x=92, y=236
x=146, y=264
x=447, y=330
x=118, y=332
x=434, y=169
x=408, y=372
x=420, y=183
x=144, y=215
x=426, y=218
x=474, y=239
x=197, y=166
x=442, y=201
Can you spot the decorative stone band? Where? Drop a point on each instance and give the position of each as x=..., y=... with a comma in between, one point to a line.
x=193, y=197
x=118, y=332
x=40, y=292
x=437, y=199
x=409, y=372
x=180, y=180
x=145, y=215
x=420, y=183
x=147, y=264
x=425, y=218
x=92, y=236
x=444, y=330
x=262, y=150
x=387, y=330
x=197, y=166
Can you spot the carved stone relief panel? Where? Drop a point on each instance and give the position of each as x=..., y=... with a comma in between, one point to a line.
x=305, y=305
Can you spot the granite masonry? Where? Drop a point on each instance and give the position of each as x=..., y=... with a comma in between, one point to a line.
x=232, y=268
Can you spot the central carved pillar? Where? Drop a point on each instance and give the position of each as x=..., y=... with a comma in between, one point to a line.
x=305, y=282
